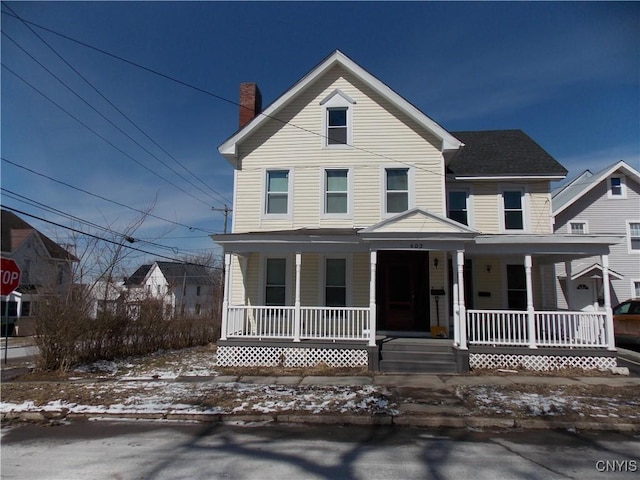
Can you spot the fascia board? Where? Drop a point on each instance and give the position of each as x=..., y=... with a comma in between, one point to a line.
x=508, y=177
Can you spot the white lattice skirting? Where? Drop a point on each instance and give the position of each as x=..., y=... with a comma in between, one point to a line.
x=538, y=362
x=253, y=356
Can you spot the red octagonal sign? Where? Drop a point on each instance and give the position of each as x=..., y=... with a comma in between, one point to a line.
x=10, y=276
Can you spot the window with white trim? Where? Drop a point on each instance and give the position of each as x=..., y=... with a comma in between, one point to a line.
x=277, y=192
x=513, y=209
x=636, y=289
x=338, y=119
x=335, y=290
x=396, y=190
x=275, y=282
x=633, y=235
x=616, y=187
x=458, y=206
x=336, y=191
x=577, y=228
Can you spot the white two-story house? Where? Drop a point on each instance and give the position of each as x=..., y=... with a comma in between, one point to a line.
x=359, y=221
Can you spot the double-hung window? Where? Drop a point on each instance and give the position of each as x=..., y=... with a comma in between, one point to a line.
x=276, y=281
x=616, y=188
x=336, y=191
x=457, y=206
x=277, y=198
x=396, y=190
x=335, y=290
x=337, y=126
x=633, y=231
x=513, y=209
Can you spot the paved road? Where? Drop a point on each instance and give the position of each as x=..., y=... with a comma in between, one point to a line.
x=154, y=451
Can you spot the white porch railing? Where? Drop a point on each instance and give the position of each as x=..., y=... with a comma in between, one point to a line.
x=317, y=323
x=552, y=329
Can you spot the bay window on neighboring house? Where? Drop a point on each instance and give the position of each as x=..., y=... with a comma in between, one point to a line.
x=336, y=192
x=335, y=284
x=275, y=292
x=513, y=212
x=397, y=190
x=633, y=236
x=577, y=228
x=458, y=206
x=277, y=192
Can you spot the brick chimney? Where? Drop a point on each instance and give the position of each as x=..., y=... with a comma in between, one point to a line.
x=250, y=102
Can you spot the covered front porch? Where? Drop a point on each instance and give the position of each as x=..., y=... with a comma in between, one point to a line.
x=485, y=296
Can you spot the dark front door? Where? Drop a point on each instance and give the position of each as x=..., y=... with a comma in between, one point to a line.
x=402, y=291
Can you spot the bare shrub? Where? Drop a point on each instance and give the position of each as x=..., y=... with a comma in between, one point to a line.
x=68, y=336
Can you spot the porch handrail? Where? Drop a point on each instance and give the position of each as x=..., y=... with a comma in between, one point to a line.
x=316, y=323
x=551, y=328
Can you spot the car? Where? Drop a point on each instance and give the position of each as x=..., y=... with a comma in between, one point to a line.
x=626, y=319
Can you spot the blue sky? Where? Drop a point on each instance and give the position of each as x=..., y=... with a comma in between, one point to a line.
x=568, y=74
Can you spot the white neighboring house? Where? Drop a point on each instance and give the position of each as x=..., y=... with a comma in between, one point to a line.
x=182, y=287
x=606, y=202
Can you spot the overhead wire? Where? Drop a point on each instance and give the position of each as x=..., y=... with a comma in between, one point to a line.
x=105, y=198
x=219, y=97
x=221, y=197
x=107, y=240
x=108, y=119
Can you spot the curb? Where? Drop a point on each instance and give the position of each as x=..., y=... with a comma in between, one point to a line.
x=362, y=420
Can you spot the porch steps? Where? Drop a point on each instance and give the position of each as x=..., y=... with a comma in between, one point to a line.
x=417, y=355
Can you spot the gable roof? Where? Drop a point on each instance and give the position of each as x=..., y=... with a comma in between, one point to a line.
x=14, y=231
x=418, y=220
x=568, y=194
x=229, y=147
x=502, y=153
x=174, y=272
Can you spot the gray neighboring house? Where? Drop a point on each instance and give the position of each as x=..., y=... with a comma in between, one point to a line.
x=182, y=287
x=606, y=202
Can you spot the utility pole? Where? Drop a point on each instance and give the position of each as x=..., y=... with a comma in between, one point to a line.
x=226, y=211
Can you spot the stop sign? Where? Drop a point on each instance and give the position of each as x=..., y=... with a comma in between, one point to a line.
x=9, y=276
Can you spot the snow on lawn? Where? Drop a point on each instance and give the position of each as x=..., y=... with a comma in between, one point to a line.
x=157, y=397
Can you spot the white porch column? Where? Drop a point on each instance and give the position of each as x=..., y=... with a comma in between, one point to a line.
x=462, y=309
x=225, y=297
x=531, y=325
x=372, y=299
x=611, y=341
x=569, y=285
x=456, y=307
x=296, y=317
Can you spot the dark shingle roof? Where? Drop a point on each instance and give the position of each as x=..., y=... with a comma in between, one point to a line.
x=138, y=276
x=15, y=231
x=177, y=273
x=502, y=153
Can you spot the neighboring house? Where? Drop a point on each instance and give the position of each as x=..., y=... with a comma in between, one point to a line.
x=606, y=202
x=183, y=288
x=46, y=267
x=358, y=220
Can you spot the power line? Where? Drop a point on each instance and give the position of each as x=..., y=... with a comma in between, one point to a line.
x=104, y=138
x=109, y=120
x=104, y=198
x=211, y=94
x=106, y=239
x=224, y=199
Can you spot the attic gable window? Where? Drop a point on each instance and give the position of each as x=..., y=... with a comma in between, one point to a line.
x=617, y=188
x=338, y=115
